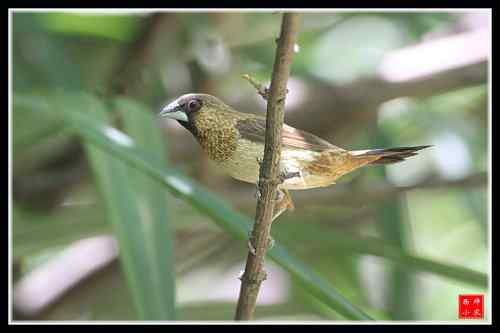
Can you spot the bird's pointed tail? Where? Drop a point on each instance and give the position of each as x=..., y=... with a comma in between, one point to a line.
x=389, y=155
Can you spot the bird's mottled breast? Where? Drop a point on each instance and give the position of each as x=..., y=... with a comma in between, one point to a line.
x=216, y=135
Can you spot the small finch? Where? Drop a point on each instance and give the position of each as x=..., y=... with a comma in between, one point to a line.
x=235, y=141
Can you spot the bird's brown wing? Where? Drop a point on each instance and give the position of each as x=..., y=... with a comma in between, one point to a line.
x=254, y=129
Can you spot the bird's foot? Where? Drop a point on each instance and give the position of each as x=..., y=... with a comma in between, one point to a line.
x=277, y=213
x=282, y=203
x=279, y=196
x=257, y=194
x=251, y=248
x=270, y=243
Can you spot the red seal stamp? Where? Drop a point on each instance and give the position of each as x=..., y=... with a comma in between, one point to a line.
x=471, y=306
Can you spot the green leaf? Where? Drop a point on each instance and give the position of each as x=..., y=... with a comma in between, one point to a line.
x=143, y=128
x=138, y=223
x=400, y=289
x=119, y=27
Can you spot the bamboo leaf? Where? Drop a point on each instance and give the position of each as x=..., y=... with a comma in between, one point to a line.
x=400, y=289
x=146, y=264
x=143, y=128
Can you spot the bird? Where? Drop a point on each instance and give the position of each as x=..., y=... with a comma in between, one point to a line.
x=235, y=142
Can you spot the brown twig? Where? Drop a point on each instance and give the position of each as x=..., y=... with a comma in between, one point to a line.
x=269, y=172
x=261, y=89
x=126, y=77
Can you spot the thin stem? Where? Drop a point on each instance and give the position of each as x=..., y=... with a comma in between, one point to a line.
x=269, y=172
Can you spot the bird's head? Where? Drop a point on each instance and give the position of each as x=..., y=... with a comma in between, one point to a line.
x=210, y=120
x=186, y=109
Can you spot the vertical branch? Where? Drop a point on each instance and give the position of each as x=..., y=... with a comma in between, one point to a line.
x=269, y=172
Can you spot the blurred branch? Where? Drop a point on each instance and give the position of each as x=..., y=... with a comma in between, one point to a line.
x=43, y=187
x=376, y=192
x=436, y=56
x=269, y=172
x=427, y=69
x=126, y=78
x=36, y=294
x=38, y=290
x=261, y=89
x=368, y=194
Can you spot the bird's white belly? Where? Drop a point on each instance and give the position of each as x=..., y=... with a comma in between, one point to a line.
x=244, y=166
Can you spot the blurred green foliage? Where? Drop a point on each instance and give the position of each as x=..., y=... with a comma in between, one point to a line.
x=432, y=244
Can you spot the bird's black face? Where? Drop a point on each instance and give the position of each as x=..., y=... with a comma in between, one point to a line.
x=183, y=109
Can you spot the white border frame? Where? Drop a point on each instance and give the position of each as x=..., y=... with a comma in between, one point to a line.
x=488, y=302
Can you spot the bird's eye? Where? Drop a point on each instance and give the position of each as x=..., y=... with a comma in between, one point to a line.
x=194, y=105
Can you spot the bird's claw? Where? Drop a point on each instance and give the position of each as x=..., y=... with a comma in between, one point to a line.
x=279, y=196
x=270, y=243
x=282, y=177
x=257, y=191
x=251, y=248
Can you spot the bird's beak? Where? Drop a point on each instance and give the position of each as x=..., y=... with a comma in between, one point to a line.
x=174, y=111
